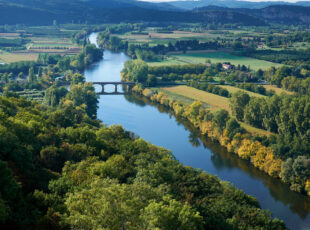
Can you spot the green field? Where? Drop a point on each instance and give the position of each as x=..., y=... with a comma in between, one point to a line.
x=215, y=57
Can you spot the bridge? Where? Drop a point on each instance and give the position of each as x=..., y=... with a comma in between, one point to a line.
x=129, y=85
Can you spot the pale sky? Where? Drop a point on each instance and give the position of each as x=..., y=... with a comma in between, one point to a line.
x=240, y=0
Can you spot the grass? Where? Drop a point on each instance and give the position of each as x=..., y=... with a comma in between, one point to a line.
x=278, y=90
x=214, y=57
x=233, y=89
x=221, y=57
x=15, y=57
x=50, y=42
x=213, y=101
x=168, y=61
x=175, y=35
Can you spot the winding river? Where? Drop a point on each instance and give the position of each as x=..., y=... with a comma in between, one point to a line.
x=158, y=126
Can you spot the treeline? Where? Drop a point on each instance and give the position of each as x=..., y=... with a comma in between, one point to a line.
x=146, y=52
x=298, y=85
x=276, y=41
x=288, y=117
x=288, y=57
x=17, y=67
x=255, y=88
x=60, y=169
x=211, y=88
x=285, y=155
x=196, y=72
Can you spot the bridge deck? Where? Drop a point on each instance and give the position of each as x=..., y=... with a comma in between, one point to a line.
x=114, y=83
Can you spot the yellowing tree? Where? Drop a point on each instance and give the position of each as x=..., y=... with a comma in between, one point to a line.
x=248, y=149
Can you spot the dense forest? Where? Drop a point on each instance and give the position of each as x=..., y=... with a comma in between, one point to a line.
x=58, y=164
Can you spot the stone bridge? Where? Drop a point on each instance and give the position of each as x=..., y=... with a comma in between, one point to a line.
x=129, y=85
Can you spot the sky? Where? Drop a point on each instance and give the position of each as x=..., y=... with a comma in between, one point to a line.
x=241, y=0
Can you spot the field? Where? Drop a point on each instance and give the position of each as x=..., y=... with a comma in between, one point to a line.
x=215, y=57
x=278, y=90
x=233, y=89
x=50, y=42
x=47, y=43
x=152, y=36
x=6, y=57
x=215, y=102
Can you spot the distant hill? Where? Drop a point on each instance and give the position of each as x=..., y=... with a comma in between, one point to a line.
x=44, y=12
x=283, y=14
x=40, y=12
x=189, y=5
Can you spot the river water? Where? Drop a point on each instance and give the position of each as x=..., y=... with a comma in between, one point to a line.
x=156, y=125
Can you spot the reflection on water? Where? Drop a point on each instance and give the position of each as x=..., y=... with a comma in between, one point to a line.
x=223, y=160
x=156, y=124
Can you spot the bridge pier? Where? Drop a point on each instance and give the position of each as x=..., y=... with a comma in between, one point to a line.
x=128, y=85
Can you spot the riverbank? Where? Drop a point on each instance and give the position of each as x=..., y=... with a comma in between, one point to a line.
x=229, y=134
x=157, y=124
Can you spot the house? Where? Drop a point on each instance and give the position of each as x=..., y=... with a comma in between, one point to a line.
x=226, y=66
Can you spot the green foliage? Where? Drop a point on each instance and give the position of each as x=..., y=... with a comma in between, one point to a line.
x=54, y=94
x=220, y=118
x=171, y=214
x=296, y=172
x=135, y=70
x=238, y=102
x=233, y=127
x=84, y=95
x=104, y=177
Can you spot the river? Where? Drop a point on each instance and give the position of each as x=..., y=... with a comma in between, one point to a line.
x=156, y=125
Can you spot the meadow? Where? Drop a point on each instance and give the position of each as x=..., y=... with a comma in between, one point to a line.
x=7, y=57
x=215, y=57
x=214, y=101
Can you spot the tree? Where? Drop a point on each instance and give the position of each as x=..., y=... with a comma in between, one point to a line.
x=77, y=78
x=280, y=73
x=84, y=95
x=54, y=94
x=238, y=102
x=31, y=75
x=233, y=127
x=135, y=70
x=170, y=214
x=254, y=112
x=220, y=118
x=105, y=204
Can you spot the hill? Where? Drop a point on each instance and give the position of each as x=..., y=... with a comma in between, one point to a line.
x=283, y=14
x=39, y=12
x=189, y=5
x=108, y=11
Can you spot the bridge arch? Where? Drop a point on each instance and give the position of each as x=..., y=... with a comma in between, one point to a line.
x=129, y=85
